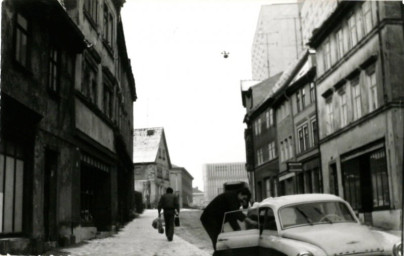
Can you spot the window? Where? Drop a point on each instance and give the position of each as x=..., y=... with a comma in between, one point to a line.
x=327, y=55
x=259, y=126
x=345, y=37
x=282, y=152
x=11, y=187
x=90, y=9
x=314, y=131
x=359, y=24
x=267, y=119
x=271, y=117
x=367, y=14
x=340, y=43
x=255, y=124
x=352, y=30
x=380, y=183
x=21, y=40
x=301, y=140
x=306, y=137
x=54, y=69
x=312, y=93
x=271, y=150
x=259, y=157
x=290, y=147
x=286, y=149
x=372, y=88
x=108, y=100
x=298, y=100
x=89, y=86
x=303, y=98
x=356, y=95
x=344, y=108
x=108, y=25
x=303, y=134
x=267, y=220
x=330, y=116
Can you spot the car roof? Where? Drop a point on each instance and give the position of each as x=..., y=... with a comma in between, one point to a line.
x=278, y=202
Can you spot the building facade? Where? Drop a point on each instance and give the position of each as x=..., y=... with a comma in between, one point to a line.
x=43, y=147
x=152, y=164
x=277, y=40
x=181, y=182
x=215, y=175
x=360, y=114
x=260, y=137
x=305, y=169
x=103, y=107
x=198, y=198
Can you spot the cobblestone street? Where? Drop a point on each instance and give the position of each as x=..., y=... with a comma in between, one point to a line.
x=137, y=238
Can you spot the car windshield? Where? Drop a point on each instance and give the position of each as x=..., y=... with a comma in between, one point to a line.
x=314, y=213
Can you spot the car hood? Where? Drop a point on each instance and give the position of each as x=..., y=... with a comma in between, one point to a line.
x=337, y=238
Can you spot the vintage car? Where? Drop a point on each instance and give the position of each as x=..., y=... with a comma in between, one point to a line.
x=302, y=225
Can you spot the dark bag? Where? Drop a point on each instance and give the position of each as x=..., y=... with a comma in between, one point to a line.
x=158, y=224
x=177, y=220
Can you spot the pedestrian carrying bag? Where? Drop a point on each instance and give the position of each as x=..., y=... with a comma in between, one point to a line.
x=177, y=220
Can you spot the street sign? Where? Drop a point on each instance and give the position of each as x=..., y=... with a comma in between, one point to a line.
x=294, y=166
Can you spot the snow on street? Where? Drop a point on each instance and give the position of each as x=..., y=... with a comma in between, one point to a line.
x=138, y=238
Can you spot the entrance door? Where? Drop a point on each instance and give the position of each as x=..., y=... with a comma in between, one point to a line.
x=366, y=189
x=50, y=192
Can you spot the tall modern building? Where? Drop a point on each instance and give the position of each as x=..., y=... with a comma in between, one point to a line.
x=215, y=175
x=277, y=40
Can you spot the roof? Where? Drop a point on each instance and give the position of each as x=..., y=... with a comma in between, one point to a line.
x=299, y=198
x=146, y=142
x=182, y=169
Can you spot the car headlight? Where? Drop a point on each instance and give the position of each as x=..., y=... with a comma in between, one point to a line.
x=397, y=249
x=310, y=254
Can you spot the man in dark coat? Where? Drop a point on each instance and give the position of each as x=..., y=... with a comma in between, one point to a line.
x=212, y=216
x=169, y=203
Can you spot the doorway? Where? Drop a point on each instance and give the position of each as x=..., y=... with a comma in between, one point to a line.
x=50, y=195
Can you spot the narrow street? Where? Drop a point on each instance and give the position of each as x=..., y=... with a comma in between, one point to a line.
x=139, y=238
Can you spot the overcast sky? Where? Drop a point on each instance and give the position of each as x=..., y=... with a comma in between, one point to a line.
x=183, y=82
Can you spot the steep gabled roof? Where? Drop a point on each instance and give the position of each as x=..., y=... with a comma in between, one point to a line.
x=146, y=142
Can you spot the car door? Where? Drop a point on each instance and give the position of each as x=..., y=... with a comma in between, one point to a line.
x=241, y=242
x=269, y=240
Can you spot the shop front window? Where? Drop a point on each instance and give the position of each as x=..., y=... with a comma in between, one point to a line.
x=11, y=187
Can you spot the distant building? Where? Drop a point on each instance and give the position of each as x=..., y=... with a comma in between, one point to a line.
x=277, y=40
x=152, y=164
x=198, y=197
x=215, y=175
x=181, y=182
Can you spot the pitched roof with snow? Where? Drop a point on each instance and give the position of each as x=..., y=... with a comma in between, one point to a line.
x=146, y=142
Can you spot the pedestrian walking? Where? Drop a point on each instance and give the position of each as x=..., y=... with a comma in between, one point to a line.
x=170, y=206
x=212, y=216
